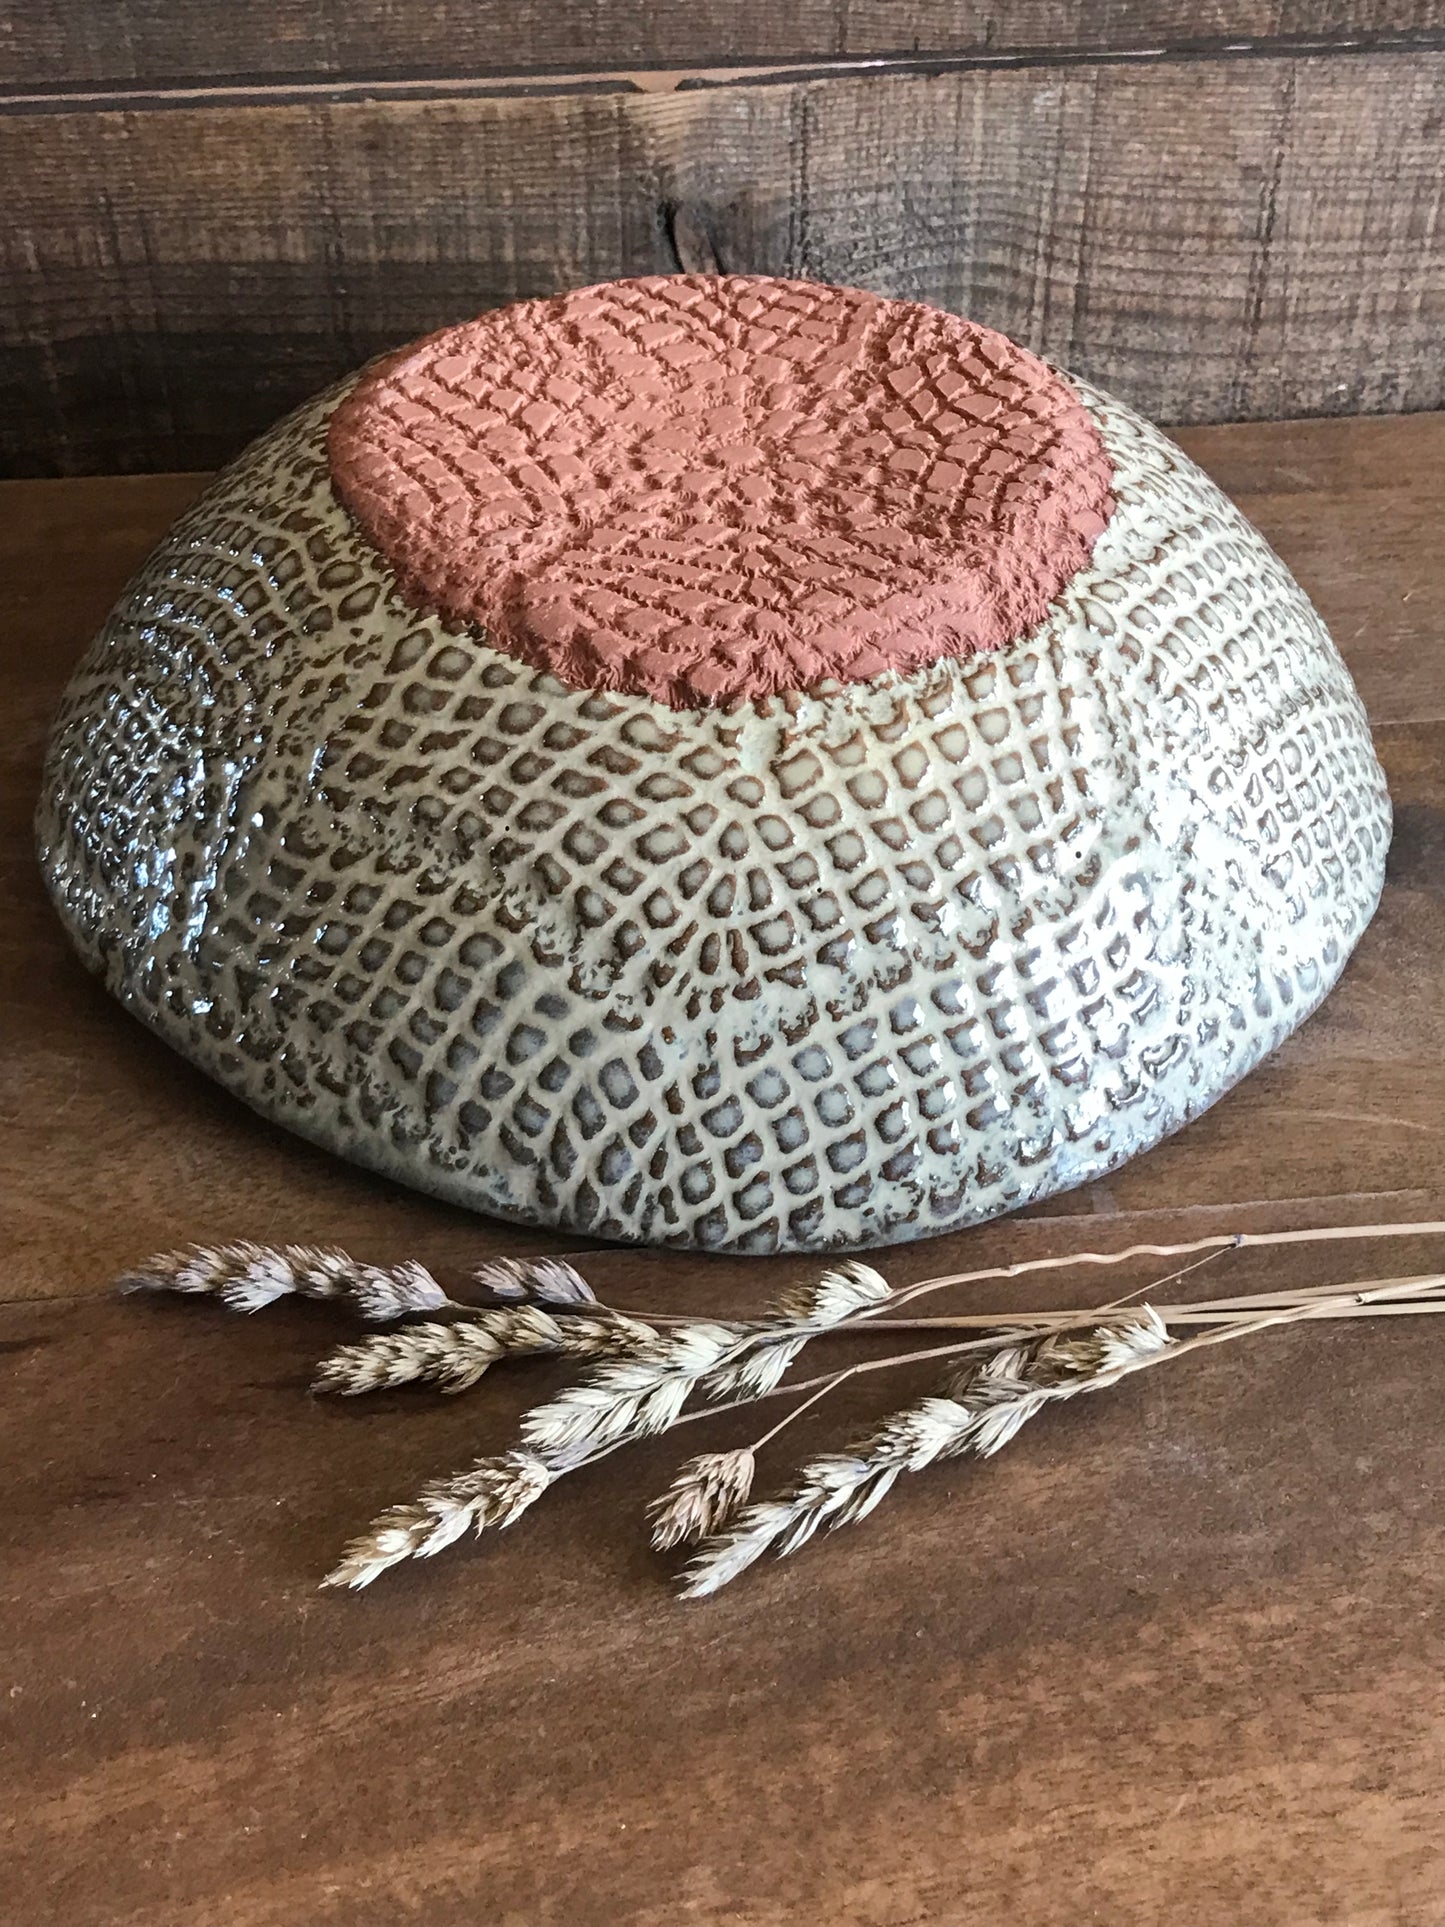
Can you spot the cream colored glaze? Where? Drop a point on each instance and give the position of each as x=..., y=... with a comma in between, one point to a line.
x=838, y=969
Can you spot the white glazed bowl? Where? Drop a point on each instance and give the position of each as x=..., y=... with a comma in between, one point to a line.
x=833, y=970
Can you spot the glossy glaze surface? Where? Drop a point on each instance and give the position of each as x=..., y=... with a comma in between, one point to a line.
x=831, y=970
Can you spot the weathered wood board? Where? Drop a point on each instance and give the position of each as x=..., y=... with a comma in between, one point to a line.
x=1210, y=238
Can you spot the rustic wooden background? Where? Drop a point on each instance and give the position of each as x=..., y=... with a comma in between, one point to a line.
x=1230, y=210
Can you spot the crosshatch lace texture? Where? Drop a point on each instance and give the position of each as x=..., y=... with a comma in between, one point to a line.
x=827, y=969
x=709, y=489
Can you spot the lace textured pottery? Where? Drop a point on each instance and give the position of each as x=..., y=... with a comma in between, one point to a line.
x=721, y=762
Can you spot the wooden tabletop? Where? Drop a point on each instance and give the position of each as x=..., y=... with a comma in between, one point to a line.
x=1178, y=1655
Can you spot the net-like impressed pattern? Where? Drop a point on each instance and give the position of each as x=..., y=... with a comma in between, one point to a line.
x=712, y=488
x=831, y=970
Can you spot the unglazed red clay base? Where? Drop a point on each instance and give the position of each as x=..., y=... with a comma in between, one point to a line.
x=714, y=492
x=720, y=762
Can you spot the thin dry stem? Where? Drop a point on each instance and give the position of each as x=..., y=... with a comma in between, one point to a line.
x=1321, y=1234
x=1201, y=1311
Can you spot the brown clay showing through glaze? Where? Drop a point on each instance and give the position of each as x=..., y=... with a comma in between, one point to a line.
x=400, y=807
x=827, y=971
x=706, y=490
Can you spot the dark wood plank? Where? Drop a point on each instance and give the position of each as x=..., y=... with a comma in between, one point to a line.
x=1178, y=1653
x=1231, y=238
x=109, y=41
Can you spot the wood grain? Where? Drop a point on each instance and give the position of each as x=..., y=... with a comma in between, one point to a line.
x=1176, y=1654
x=111, y=41
x=1250, y=238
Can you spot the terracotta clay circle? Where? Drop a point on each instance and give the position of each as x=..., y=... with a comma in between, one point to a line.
x=705, y=489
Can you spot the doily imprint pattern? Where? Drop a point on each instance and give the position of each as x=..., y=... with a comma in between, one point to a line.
x=710, y=489
x=830, y=970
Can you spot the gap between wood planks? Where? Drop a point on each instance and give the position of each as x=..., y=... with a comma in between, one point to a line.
x=271, y=91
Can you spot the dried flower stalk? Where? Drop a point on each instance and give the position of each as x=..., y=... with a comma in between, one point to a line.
x=644, y=1371
x=495, y=1492
x=246, y=1277
x=455, y=1356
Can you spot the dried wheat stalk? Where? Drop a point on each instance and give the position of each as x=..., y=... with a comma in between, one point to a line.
x=455, y=1356
x=495, y=1492
x=981, y=1413
x=641, y=1390
x=772, y=1342
x=984, y=1410
x=245, y=1277
x=644, y=1371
